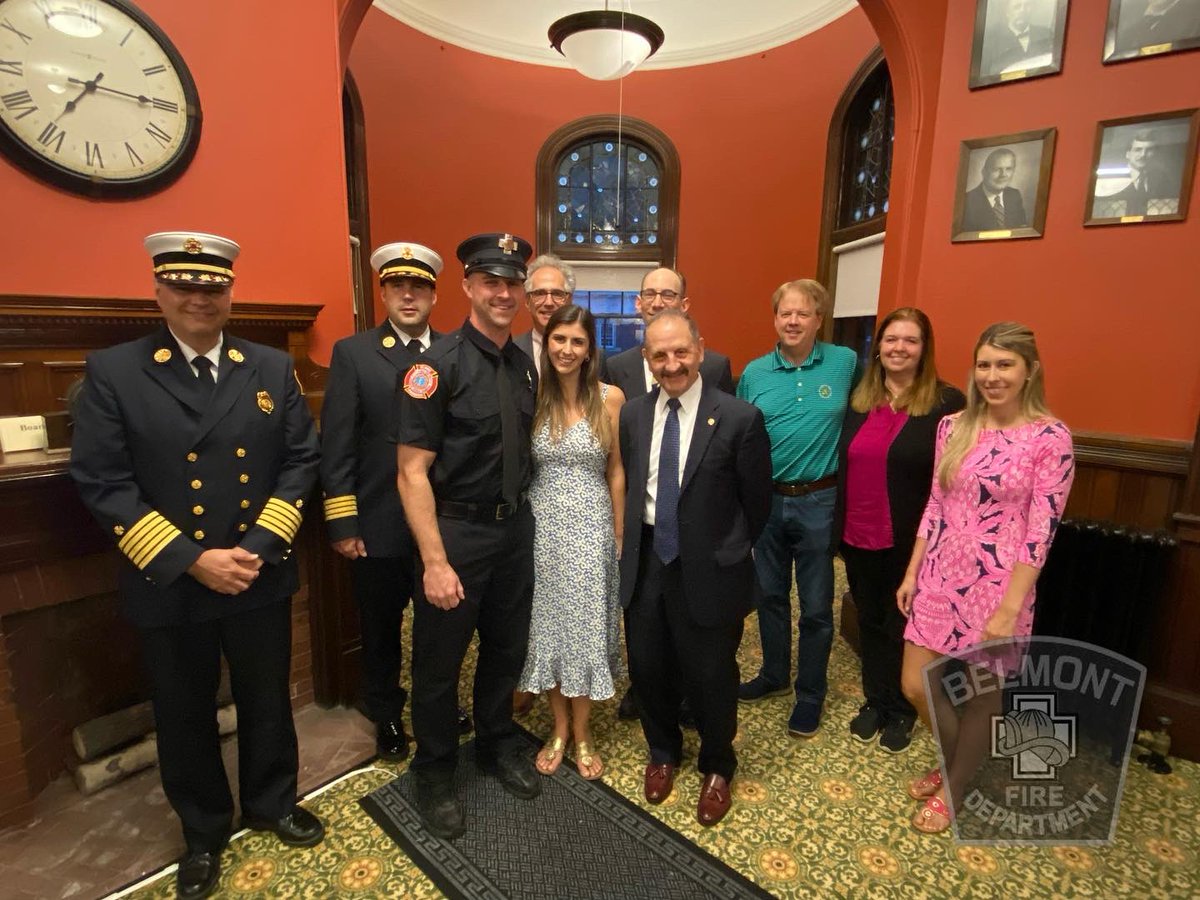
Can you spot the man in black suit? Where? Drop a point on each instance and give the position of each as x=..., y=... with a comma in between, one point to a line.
x=1015, y=42
x=196, y=451
x=1149, y=23
x=358, y=474
x=992, y=205
x=661, y=289
x=1148, y=180
x=698, y=476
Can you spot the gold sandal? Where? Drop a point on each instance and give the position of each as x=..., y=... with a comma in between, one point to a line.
x=551, y=755
x=586, y=758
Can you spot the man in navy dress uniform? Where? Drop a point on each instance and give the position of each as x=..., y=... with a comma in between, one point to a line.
x=196, y=451
x=463, y=430
x=358, y=474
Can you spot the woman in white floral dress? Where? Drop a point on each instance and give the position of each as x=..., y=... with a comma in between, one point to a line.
x=578, y=498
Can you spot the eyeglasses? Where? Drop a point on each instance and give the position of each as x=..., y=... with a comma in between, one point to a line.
x=542, y=293
x=668, y=296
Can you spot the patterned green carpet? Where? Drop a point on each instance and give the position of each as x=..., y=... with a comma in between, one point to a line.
x=816, y=818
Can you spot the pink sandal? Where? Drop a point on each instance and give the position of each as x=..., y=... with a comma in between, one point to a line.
x=924, y=820
x=925, y=786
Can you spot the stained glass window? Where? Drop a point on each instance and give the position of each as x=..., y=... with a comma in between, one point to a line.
x=867, y=165
x=607, y=196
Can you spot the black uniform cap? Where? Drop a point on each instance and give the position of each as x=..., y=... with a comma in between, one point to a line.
x=497, y=253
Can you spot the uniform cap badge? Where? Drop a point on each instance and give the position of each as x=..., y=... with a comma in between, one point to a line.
x=193, y=245
x=236, y=355
x=407, y=253
x=388, y=341
x=162, y=355
x=421, y=381
x=265, y=403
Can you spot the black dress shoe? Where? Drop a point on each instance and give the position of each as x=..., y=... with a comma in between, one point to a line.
x=465, y=726
x=299, y=828
x=628, y=708
x=516, y=773
x=198, y=875
x=440, y=810
x=391, y=743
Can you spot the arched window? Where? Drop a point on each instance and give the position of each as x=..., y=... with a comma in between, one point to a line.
x=608, y=202
x=857, y=181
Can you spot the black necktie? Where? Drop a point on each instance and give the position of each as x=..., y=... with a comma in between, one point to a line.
x=204, y=378
x=509, y=435
x=666, y=503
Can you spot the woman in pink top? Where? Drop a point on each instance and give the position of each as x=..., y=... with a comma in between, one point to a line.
x=1003, y=470
x=885, y=463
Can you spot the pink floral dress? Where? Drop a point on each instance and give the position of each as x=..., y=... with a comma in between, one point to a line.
x=1003, y=508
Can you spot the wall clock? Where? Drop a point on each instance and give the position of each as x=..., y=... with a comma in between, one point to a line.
x=94, y=98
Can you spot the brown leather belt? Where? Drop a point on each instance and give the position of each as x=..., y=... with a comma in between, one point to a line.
x=801, y=488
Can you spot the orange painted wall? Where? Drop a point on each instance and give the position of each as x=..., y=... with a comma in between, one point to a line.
x=453, y=136
x=269, y=172
x=1115, y=308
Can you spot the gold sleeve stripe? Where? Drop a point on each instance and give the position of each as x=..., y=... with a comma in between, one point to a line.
x=341, y=507
x=286, y=510
x=147, y=538
x=281, y=518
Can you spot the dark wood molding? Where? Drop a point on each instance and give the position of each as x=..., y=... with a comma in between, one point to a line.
x=1142, y=454
x=355, y=133
x=834, y=151
x=599, y=128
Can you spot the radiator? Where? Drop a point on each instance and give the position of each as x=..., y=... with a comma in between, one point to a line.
x=1102, y=583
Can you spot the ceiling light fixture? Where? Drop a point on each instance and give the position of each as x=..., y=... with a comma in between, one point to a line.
x=605, y=45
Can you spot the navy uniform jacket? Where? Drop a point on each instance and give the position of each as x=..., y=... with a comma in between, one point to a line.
x=358, y=457
x=724, y=502
x=169, y=478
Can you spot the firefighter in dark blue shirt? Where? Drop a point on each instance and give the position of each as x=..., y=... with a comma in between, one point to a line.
x=463, y=434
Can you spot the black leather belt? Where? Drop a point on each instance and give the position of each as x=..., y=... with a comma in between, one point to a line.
x=480, y=512
x=801, y=488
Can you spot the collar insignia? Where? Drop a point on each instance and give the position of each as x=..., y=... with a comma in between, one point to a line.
x=162, y=355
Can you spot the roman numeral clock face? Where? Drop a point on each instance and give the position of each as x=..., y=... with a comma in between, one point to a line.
x=93, y=97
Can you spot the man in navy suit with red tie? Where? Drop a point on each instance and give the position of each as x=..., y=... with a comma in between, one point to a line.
x=698, y=493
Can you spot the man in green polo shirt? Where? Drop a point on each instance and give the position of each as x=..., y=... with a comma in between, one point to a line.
x=802, y=387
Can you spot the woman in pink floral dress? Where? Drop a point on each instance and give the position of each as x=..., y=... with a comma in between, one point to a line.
x=1002, y=472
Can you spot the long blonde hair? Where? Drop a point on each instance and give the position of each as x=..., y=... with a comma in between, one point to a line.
x=920, y=397
x=551, y=405
x=1015, y=338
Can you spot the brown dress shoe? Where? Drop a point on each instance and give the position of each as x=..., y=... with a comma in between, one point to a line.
x=715, y=800
x=658, y=781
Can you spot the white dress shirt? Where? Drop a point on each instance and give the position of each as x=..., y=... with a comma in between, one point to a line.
x=689, y=403
x=189, y=354
x=535, y=340
x=425, y=339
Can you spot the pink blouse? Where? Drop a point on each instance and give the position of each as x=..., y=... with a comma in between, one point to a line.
x=868, y=515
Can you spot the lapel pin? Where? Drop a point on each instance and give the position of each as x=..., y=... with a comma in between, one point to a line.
x=162, y=355
x=236, y=355
x=265, y=403
x=388, y=342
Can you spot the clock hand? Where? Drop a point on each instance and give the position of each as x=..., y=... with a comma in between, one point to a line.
x=140, y=98
x=88, y=87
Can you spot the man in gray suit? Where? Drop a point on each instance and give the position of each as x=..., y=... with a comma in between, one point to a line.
x=550, y=284
x=661, y=289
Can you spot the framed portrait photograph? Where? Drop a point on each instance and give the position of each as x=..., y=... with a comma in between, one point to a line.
x=1138, y=28
x=1142, y=169
x=1003, y=186
x=1016, y=39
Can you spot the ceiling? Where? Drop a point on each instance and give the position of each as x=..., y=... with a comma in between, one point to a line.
x=697, y=31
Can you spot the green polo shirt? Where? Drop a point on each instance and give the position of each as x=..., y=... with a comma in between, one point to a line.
x=803, y=407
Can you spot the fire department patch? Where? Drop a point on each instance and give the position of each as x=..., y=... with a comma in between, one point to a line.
x=421, y=381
